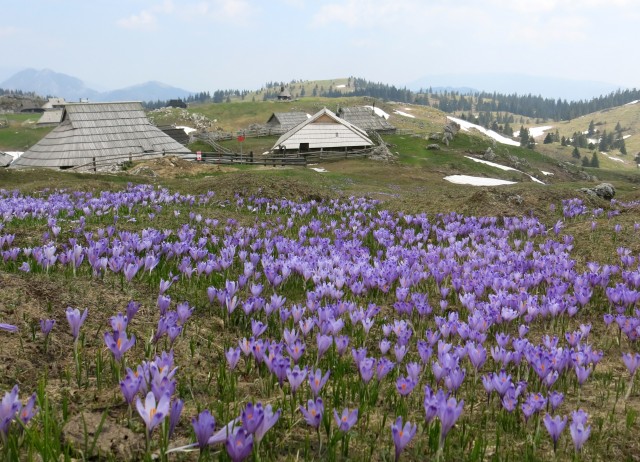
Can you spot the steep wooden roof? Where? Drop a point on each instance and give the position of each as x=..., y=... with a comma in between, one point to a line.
x=286, y=120
x=5, y=159
x=51, y=117
x=365, y=118
x=324, y=130
x=104, y=131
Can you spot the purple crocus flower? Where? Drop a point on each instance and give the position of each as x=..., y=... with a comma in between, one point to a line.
x=8, y=327
x=367, y=367
x=46, y=325
x=119, y=323
x=174, y=415
x=163, y=303
x=383, y=367
x=252, y=417
x=28, y=410
x=239, y=445
x=269, y=420
x=448, y=413
x=9, y=407
x=184, y=312
x=632, y=361
x=317, y=381
x=75, y=320
x=554, y=426
x=402, y=435
x=130, y=386
x=324, y=343
x=118, y=343
x=233, y=356
x=405, y=385
x=313, y=413
x=203, y=427
x=555, y=399
x=342, y=343
x=346, y=420
x=151, y=412
x=579, y=429
x=295, y=377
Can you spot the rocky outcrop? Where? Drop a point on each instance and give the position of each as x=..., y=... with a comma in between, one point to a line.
x=603, y=190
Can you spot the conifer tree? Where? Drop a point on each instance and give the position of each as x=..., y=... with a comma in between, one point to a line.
x=595, y=163
x=576, y=153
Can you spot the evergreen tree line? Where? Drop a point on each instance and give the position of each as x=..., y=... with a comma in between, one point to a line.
x=447, y=101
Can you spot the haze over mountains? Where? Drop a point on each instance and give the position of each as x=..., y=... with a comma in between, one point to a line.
x=50, y=83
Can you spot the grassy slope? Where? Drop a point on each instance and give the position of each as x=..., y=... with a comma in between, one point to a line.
x=22, y=132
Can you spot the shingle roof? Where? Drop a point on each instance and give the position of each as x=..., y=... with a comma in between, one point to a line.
x=324, y=130
x=286, y=120
x=5, y=159
x=50, y=117
x=104, y=131
x=365, y=118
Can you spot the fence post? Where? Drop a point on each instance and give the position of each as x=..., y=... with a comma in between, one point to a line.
x=94, y=165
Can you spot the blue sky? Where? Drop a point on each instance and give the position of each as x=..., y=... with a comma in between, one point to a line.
x=209, y=44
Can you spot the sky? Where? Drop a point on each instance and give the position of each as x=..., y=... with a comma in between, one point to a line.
x=204, y=45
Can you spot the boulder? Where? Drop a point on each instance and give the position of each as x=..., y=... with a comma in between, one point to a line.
x=489, y=155
x=603, y=190
x=433, y=147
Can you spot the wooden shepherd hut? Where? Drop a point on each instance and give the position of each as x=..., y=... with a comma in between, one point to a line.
x=100, y=135
x=324, y=131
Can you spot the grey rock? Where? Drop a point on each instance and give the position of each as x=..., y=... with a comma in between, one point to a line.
x=433, y=147
x=435, y=137
x=489, y=154
x=603, y=190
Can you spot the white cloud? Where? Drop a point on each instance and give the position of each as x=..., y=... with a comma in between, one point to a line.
x=147, y=19
x=236, y=11
x=396, y=13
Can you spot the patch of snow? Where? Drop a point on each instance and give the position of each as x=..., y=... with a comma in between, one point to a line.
x=379, y=112
x=476, y=180
x=493, y=164
x=593, y=140
x=187, y=130
x=309, y=115
x=613, y=158
x=466, y=126
x=625, y=137
x=319, y=169
x=539, y=131
x=404, y=114
x=504, y=167
x=633, y=102
x=14, y=154
x=341, y=86
x=546, y=173
x=407, y=109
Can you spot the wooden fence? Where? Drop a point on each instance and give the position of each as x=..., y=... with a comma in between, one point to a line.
x=303, y=159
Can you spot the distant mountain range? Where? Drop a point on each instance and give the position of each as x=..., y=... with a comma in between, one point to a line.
x=49, y=83
x=547, y=87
